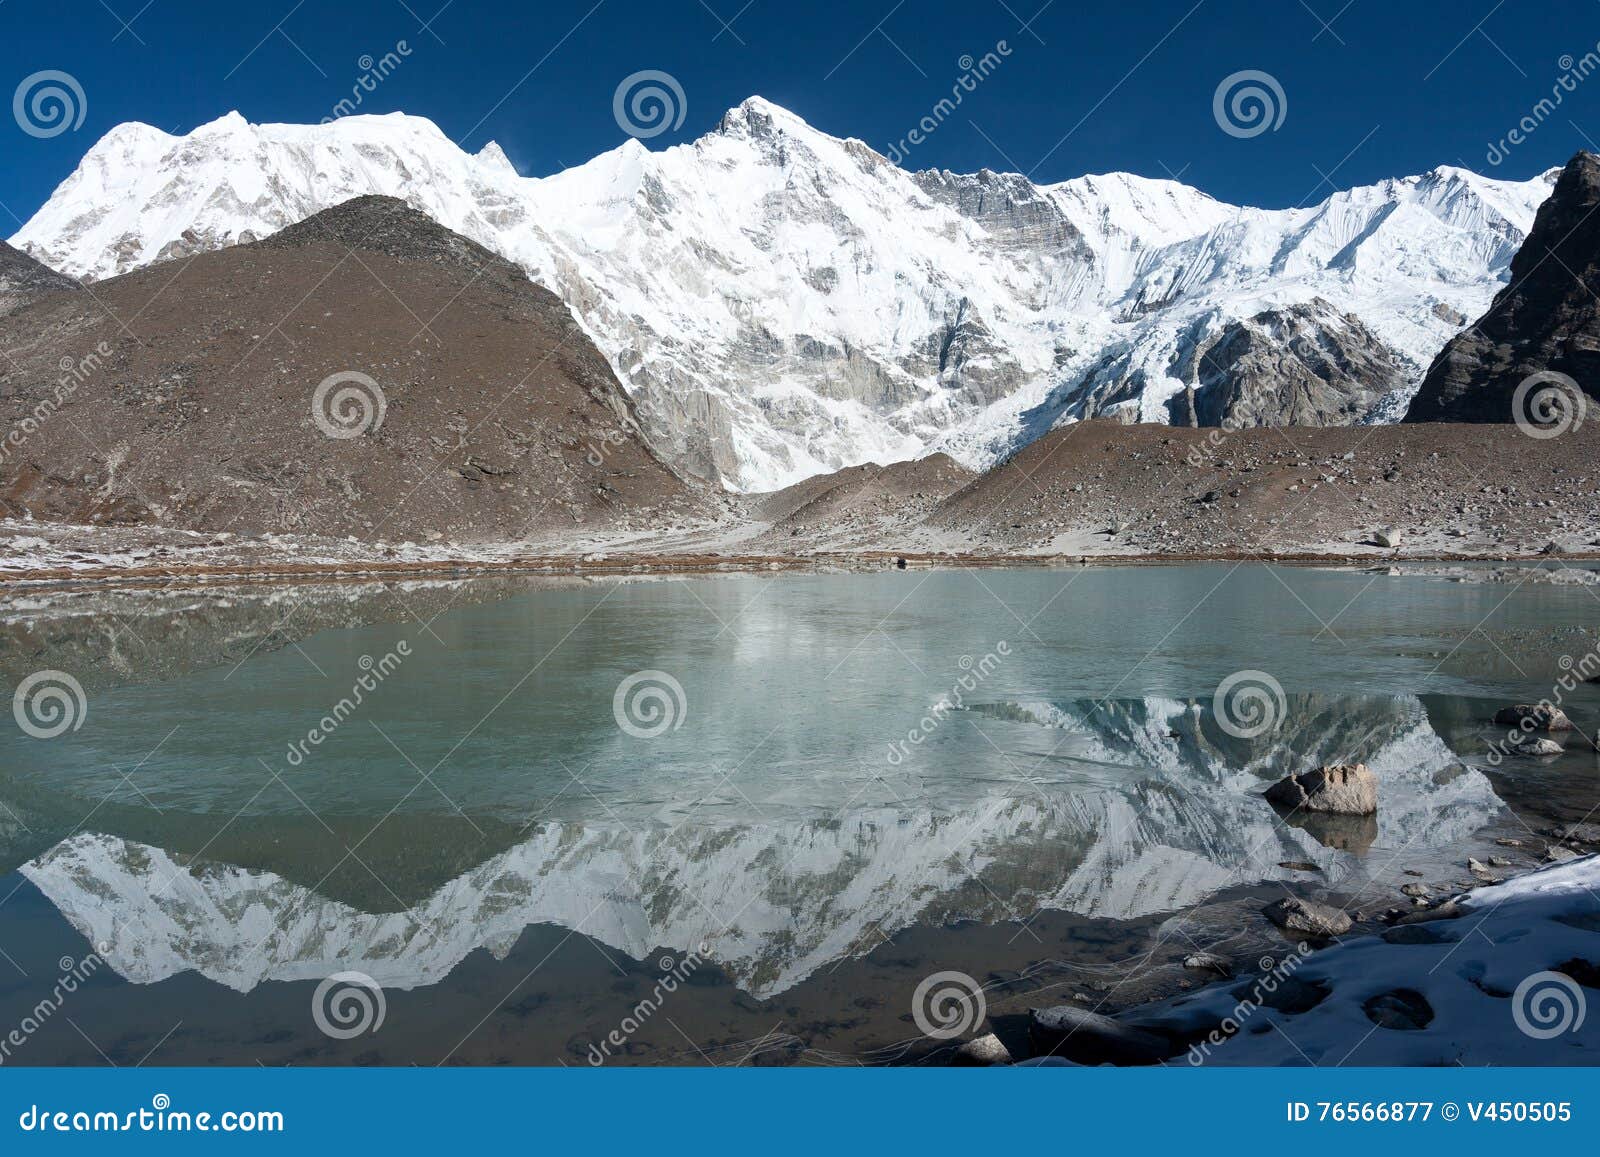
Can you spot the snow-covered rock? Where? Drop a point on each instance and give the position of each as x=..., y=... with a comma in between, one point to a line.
x=783, y=303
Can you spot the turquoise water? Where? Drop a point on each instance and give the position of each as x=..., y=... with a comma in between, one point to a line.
x=832, y=785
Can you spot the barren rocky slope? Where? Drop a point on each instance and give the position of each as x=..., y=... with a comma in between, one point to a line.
x=364, y=373
x=24, y=280
x=1100, y=487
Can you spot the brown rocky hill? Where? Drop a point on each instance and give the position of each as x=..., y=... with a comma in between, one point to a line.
x=365, y=373
x=24, y=280
x=1546, y=319
x=1101, y=487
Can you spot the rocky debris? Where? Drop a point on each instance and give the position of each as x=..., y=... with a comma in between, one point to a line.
x=1340, y=789
x=1546, y=319
x=1533, y=717
x=1416, y=891
x=1299, y=865
x=1208, y=962
x=1092, y=1039
x=1403, y=1009
x=24, y=280
x=1556, y=854
x=983, y=1051
x=1065, y=491
x=1308, y=918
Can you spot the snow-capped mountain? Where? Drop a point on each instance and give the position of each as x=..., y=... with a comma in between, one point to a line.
x=782, y=896
x=782, y=302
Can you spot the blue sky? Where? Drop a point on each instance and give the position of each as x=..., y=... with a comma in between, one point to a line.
x=1370, y=89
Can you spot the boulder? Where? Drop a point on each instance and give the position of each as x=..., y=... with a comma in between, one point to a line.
x=1534, y=745
x=1091, y=1039
x=983, y=1050
x=1387, y=537
x=1308, y=918
x=1208, y=962
x=1538, y=717
x=1342, y=789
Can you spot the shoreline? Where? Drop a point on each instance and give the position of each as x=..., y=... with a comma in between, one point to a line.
x=704, y=563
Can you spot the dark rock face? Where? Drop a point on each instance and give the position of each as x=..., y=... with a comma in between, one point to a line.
x=23, y=280
x=1299, y=365
x=1546, y=320
x=1089, y=1038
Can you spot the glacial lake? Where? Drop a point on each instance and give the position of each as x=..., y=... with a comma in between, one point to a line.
x=812, y=792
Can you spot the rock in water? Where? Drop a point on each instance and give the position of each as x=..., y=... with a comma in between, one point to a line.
x=1535, y=745
x=983, y=1050
x=1344, y=789
x=1308, y=918
x=1091, y=1039
x=1208, y=962
x=1533, y=717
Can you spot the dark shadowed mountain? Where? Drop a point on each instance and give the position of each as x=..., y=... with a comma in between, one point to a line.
x=1546, y=319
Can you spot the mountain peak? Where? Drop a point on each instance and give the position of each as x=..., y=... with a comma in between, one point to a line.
x=391, y=226
x=494, y=156
x=758, y=116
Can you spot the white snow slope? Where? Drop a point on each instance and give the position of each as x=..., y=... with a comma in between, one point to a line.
x=783, y=303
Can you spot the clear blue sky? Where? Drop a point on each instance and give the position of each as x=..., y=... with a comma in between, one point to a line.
x=1380, y=89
